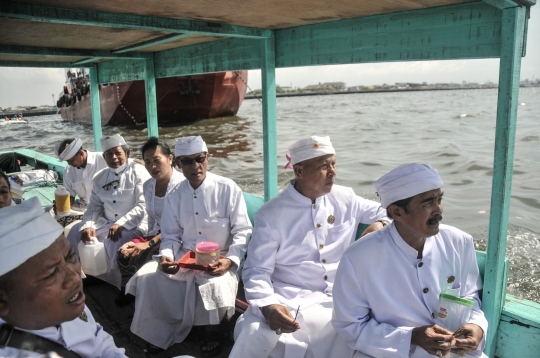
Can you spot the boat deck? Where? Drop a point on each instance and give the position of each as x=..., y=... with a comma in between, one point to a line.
x=117, y=320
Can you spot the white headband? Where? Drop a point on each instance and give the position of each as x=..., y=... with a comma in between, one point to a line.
x=406, y=181
x=111, y=142
x=311, y=147
x=26, y=230
x=70, y=151
x=189, y=146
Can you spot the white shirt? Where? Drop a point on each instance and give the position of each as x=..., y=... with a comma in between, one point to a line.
x=383, y=291
x=215, y=211
x=154, y=205
x=124, y=205
x=296, y=245
x=78, y=181
x=88, y=339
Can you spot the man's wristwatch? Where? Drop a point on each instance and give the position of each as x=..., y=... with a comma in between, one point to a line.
x=151, y=243
x=384, y=222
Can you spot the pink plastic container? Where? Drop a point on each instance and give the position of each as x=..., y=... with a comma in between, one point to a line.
x=206, y=252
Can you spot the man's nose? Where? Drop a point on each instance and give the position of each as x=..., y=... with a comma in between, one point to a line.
x=439, y=208
x=72, y=276
x=332, y=170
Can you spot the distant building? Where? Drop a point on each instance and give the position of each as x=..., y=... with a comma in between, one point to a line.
x=312, y=88
x=338, y=86
x=327, y=86
x=284, y=89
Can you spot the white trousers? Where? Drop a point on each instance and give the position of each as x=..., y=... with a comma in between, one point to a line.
x=168, y=306
x=316, y=337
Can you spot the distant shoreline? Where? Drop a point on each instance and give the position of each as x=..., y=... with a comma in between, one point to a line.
x=385, y=90
x=29, y=113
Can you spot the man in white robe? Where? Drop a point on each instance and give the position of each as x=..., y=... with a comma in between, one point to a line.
x=117, y=211
x=297, y=242
x=82, y=166
x=388, y=284
x=205, y=207
x=41, y=297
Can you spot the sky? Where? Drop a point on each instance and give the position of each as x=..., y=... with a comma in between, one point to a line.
x=36, y=86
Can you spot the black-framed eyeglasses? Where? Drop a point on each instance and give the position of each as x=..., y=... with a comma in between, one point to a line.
x=112, y=185
x=188, y=161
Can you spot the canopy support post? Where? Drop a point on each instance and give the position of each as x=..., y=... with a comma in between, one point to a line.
x=268, y=74
x=513, y=25
x=96, y=107
x=151, y=102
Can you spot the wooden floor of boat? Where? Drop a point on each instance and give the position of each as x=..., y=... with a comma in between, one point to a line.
x=117, y=320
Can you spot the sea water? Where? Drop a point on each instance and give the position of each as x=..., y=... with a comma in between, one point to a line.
x=454, y=131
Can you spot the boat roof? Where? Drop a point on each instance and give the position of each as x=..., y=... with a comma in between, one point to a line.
x=118, y=34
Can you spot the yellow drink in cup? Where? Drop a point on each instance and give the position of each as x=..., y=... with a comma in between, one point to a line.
x=62, y=199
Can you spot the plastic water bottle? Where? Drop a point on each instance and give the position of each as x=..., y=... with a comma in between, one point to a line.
x=63, y=202
x=93, y=257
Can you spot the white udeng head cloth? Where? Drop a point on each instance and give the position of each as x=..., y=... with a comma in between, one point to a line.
x=189, y=146
x=112, y=142
x=406, y=181
x=70, y=151
x=26, y=230
x=311, y=147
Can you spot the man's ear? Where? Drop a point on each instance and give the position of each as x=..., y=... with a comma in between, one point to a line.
x=4, y=307
x=127, y=152
x=298, y=171
x=396, y=212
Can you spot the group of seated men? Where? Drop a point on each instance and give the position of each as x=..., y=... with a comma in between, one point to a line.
x=313, y=291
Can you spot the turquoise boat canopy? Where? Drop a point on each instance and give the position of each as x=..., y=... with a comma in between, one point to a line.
x=125, y=40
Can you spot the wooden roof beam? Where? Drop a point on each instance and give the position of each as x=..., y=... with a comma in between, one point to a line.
x=34, y=64
x=66, y=52
x=88, y=60
x=506, y=4
x=127, y=21
x=153, y=42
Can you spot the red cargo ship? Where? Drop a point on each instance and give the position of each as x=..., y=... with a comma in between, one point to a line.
x=179, y=99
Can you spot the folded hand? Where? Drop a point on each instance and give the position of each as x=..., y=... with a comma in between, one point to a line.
x=219, y=267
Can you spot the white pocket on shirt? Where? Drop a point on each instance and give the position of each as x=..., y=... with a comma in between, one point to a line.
x=341, y=232
x=454, y=291
x=217, y=230
x=127, y=191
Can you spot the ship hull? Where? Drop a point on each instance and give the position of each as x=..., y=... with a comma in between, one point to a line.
x=179, y=100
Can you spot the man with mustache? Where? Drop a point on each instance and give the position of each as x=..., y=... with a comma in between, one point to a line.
x=41, y=293
x=388, y=285
x=297, y=242
x=117, y=210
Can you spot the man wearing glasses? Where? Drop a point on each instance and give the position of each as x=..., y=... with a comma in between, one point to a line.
x=117, y=211
x=205, y=207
